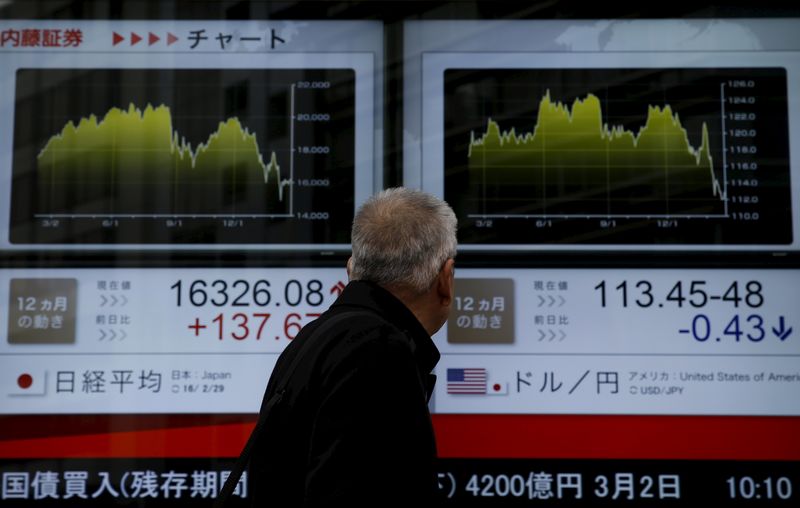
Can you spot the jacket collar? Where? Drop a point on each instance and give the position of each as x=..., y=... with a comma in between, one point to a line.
x=371, y=296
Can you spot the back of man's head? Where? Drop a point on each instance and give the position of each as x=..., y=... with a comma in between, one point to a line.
x=401, y=238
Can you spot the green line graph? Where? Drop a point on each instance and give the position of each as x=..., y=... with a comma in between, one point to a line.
x=141, y=145
x=576, y=136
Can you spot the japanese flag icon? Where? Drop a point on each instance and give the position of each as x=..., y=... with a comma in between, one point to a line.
x=495, y=387
x=21, y=382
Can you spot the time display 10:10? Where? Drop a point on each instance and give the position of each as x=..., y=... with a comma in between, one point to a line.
x=746, y=487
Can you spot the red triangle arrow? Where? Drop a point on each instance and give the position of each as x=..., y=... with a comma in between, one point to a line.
x=152, y=38
x=170, y=39
x=117, y=38
x=135, y=38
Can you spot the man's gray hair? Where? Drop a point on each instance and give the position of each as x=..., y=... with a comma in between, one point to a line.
x=402, y=237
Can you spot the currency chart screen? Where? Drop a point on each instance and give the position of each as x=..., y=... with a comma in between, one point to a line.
x=605, y=137
x=667, y=155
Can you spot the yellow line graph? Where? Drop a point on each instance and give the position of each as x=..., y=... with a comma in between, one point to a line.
x=575, y=136
x=142, y=143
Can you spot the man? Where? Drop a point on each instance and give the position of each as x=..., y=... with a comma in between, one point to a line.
x=352, y=427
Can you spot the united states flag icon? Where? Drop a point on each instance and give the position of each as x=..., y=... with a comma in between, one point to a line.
x=466, y=381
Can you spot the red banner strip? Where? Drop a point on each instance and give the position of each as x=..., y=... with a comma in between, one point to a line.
x=619, y=437
x=478, y=436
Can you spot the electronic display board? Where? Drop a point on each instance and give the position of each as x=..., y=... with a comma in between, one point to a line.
x=635, y=144
x=648, y=384
x=201, y=138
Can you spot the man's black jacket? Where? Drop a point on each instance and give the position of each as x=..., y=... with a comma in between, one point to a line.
x=353, y=428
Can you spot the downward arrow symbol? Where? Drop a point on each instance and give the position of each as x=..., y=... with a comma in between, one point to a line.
x=782, y=332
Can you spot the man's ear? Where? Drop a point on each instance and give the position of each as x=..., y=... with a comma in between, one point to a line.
x=445, y=284
x=349, y=264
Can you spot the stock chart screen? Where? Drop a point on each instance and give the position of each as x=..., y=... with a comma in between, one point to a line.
x=187, y=136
